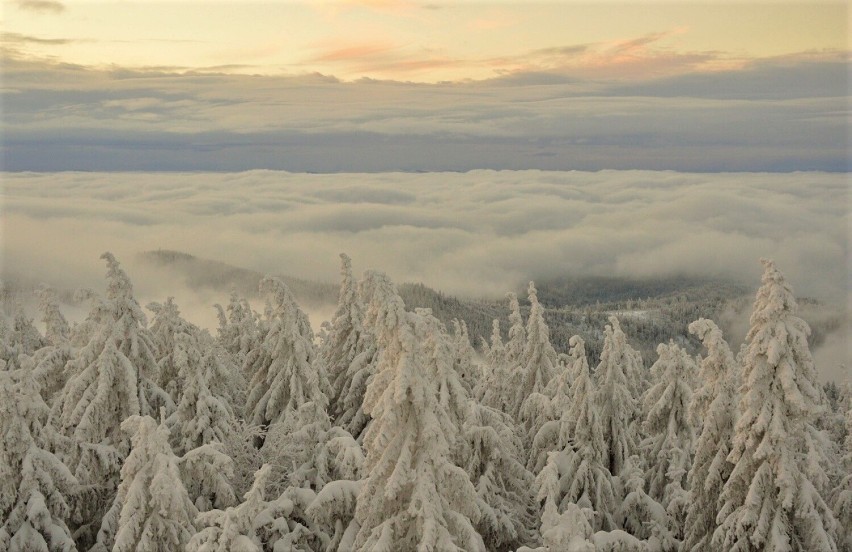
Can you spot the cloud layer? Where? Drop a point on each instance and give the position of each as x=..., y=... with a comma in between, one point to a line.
x=477, y=233
x=780, y=114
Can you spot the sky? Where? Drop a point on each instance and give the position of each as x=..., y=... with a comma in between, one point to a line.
x=397, y=85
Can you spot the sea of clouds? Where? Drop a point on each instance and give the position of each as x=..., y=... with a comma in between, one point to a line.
x=476, y=233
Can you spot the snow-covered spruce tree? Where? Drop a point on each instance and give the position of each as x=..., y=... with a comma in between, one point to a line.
x=49, y=361
x=202, y=416
x=238, y=329
x=175, y=345
x=668, y=446
x=463, y=356
x=556, y=434
x=639, y=514
x=713, y=409
x=287, y=375
x=495, y=388
x=569, y=531
x=538, y=367
x=516, y=342
x=771, y=502
x=234, y=529
x=34, y=484
x=577, y=470
x=112, y=377
x=616, y=402
x=23, y=333
x=413, y=496
x=490, y=451
x=348, y=352
x=843, y=492
x=152, y=510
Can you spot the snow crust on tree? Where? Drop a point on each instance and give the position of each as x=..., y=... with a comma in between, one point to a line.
x=843, y=491
x=464, y=356
x=112, y=376
x=286, y=376
x=35, y=486
x=348, y=352
x=495, y=388
x=538, y=367
x=413, y=496
x=576, y=472
x=616, y=397
x=771, y=501
x=713, y=409
x=236, y=528
x=152, y=509
x=238, y=329
x=490, y=451
x=48, y=362
x=175, y=345
x=668, y=446
x=517, y=332
x=639, y=514
x=201, y=416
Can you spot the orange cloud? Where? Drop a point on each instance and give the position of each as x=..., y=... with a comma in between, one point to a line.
x=341, y=52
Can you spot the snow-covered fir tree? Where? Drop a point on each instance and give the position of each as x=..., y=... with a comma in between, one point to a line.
x=175, y=345
x=771, y=501
x=286, y=376
x=112, y=376
x=495, y=388
x=348, y=352
x=639, y=514
x=569, y=394
x=490, y=451
x=538, y=367
x=668, y=447
x=843, y=492
x=464, y=355
x=413, y=496
x=576, y=471
x=152, y=510
x=238, y=329
x=202, y=416
x=49, y=361
x=35, y=486
x=236, y=528
x=713, y=409
x=615, y=398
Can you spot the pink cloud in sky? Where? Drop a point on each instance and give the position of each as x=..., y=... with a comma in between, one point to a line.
x=342, y=51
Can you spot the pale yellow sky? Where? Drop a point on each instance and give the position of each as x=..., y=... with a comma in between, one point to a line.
x=402, y=40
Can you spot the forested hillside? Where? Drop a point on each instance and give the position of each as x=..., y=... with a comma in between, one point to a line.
x=557, y=420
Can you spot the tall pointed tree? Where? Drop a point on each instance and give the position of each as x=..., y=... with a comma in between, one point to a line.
x=713, y=409
x=413, y=496
x=348, y=352
x=113, y=376
x=577, y=472
x=772, y=502
x=287, y=376
x=617, y=405
x=539, y=366
x=668, y=446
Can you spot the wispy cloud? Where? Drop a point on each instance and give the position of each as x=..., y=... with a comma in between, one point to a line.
x=17, y=38
x=41, y=6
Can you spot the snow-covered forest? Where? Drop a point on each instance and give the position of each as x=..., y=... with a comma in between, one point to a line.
x=389, y=430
